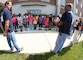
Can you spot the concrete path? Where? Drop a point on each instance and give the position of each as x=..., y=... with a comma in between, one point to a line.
x=35, y=41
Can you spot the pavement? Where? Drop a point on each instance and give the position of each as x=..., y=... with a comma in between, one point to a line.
x=34, y=42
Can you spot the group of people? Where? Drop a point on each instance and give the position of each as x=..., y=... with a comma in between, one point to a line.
x=33, y=21
x=64, y=23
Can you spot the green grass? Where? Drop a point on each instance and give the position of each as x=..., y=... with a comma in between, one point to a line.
x=12, y=56
x=74, y=52
x=0, y=30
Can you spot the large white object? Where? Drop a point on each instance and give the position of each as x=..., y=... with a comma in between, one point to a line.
x=35, y=42
x=43, y=8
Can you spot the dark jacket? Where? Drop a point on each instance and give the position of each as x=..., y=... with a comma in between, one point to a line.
x=67, y=20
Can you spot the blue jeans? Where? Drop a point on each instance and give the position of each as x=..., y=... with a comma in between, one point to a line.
x=60, y=41
x=11, y=39
x=35, y=26
x=30, y=25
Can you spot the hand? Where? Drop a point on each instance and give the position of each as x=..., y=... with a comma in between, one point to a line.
x=4, y=34
x=60, y=23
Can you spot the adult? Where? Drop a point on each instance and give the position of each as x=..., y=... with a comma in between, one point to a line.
x=64, y=28
x=8, y=27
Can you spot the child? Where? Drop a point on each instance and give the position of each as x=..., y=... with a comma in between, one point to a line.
x=46, y=22
x=35, y=22
x=25, y=17
x=14, y=20
x=20, y=22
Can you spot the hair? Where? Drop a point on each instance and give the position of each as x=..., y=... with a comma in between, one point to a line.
x=81, y=20
x=7, y=2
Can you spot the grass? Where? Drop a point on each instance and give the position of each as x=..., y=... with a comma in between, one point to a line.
x=74, y=52
x=12, y=56
x=0, y=30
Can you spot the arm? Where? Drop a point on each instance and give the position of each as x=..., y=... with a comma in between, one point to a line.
x=6, y=26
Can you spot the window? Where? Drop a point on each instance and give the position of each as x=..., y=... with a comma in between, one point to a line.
x=45, y=0
x=80, y=14
x=34, y=11
x=22, y=0
x=76, y=1
x=81, y=5
x=76, y=11
x=63, y=2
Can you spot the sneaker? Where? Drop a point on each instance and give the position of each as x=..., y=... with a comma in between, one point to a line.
x=20, y=50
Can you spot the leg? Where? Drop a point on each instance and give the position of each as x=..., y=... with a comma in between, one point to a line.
x=14, y=41
x=30, y=25
x=60, y=41
x=9, y=41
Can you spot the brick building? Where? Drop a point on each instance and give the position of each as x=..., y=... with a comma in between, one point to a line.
x=34, y=6
x=55, y=7
x=2, y=1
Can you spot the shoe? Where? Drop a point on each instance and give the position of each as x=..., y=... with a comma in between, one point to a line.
x=20, y=50
x=21, y=30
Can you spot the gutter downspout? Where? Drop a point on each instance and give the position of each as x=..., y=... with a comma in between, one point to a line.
x=58, y=7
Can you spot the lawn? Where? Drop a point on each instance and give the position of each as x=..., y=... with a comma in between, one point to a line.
x=74, y=52
x=0, y=30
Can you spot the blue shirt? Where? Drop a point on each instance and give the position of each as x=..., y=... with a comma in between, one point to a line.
x=7, y=16
x=67, y=20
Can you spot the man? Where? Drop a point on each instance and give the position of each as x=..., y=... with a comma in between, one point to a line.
x=8, y=26
x=64, y=28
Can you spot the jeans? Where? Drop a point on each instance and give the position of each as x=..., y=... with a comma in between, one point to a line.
x=60, y=41
x=30, y=25
x=11, y=39
x=35, y=26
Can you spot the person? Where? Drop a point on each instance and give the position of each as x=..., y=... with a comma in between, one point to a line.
x=35, y=20
x=8, y=27
x=64, y=28
x=50, y=21
x=46, y=22
x=20, y=22
x=30, y=19
x=77, y=31
x=40, y=22
x=25, y=17
x=14, y=20
x=56, y=20
x=75, y=25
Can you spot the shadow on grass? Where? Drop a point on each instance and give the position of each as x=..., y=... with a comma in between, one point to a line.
x=64, y=50
x=6, y=52
x=46, y=56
